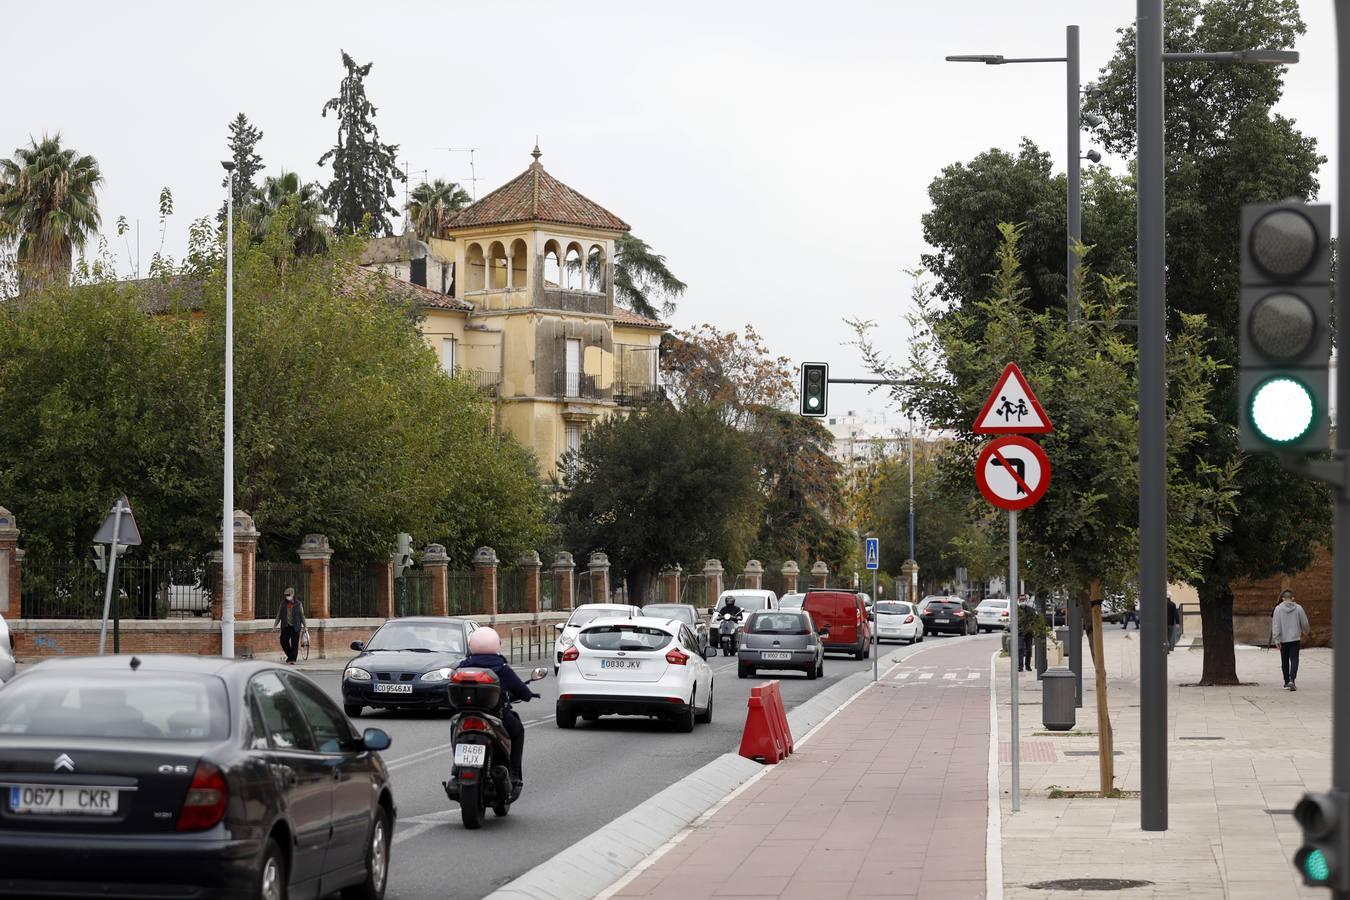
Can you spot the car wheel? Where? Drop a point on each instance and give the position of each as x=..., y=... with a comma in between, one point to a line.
x=745, y=670
x=820, y=668
x=272, y=882
x=811, y=673
x=684, y=723
x=353, y=711
x=705, y=717
x=565, y=719
x=377, y=862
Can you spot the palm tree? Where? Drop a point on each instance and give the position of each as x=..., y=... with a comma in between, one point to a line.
x=47, y=205
x=285, y=192
x=641, y=277
x=432, y=206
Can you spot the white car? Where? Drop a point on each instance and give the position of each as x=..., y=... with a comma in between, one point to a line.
x=6, y=652
x=567, y=632
x=635, y=667
x=992, y=614
x=897, y=621
x=792, y=600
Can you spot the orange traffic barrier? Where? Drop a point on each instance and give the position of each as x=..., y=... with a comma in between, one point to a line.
x=767, y=736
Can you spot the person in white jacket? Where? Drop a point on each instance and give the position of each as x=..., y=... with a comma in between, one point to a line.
x=1288, y=625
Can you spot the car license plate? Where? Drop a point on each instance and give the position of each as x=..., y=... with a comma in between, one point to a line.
x=393, y=688
x=472, y=755
x=620, y=663
x=72, y=800
x=942, y=621
x=776, y=654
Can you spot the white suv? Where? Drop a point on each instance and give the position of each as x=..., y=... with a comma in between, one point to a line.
x=635, y=667
x=567, y=632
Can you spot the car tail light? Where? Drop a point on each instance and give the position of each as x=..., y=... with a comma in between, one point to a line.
x=204, y=804
x=571, y=655
x=1003, y=615
x=472, y=676
x=909, y=619
x=472, y=723
x=677, y=657
x=960, y=613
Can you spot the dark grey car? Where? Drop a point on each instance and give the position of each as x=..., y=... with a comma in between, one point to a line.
x=686, y=614
x=781, y=639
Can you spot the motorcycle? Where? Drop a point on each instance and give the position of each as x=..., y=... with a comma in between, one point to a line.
x=728, y=634
x=480, y=776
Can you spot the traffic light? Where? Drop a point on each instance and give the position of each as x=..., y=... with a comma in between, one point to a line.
x=1324, y=858
x=815, y=385
x=1283, y=319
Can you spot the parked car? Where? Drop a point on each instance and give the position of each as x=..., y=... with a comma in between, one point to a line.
x=781, y=639
x=843, y=614
x=586, y=612
x=992, y=613
x=791, y=600
x=635, y=667
x=184, y=776
x=946, y=615
x=897, y=621
x=686, y=614
x=6, y=652
x=405, y=664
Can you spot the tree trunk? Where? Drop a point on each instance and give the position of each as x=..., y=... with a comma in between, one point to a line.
x=639, y=584
x=1216, y=629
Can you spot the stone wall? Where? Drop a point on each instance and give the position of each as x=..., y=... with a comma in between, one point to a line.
x=1254, y=601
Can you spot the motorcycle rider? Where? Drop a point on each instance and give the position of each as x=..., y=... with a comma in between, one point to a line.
x=485, y=652
x=729, y=608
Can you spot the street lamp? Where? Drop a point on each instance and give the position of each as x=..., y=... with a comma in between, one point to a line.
x=227, y=520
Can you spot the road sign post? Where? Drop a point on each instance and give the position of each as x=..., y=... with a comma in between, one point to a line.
x=872, y=554
x=111, y=532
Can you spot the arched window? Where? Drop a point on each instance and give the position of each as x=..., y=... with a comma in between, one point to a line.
x=519, y=266
x=497, y=266
x=552, y=265
x=595, y=270
x=477, y=268
x=573, y=274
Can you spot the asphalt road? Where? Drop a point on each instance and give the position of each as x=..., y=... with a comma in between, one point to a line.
x=575, y=781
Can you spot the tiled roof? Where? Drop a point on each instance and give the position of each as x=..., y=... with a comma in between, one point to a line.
x=633, y=320
x=422, y=297
x=536, y=196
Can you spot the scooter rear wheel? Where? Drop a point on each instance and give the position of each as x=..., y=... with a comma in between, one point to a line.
x=471, y=805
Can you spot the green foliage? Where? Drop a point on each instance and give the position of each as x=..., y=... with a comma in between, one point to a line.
x=660, y=486
x=248, y=164
x=48, y=207
x=432, y=206
x=285, y=204
x=642, y=280
x=947, y=532
x=364, y=170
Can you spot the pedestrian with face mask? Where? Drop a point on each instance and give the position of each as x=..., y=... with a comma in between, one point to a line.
x=290, y=621
x=1287, y=627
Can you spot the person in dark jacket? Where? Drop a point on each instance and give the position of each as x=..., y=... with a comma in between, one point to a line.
x=291, y=621
x=485, y=652
x=1173, y=624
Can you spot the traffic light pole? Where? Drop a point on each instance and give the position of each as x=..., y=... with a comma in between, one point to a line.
x=1340, y=579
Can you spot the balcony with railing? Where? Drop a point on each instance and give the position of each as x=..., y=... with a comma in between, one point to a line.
x=637, y=393
x=576, y=385
x=486, y=381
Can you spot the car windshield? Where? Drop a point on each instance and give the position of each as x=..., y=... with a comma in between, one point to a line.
x=679, y=611
x=892, y=609
x=624, y=637
x=778, y=623
x=427, y=637
x=105, y=704
x=791, y=601
x=749, y=604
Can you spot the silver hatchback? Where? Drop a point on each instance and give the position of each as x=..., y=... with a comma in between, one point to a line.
x=781, y=639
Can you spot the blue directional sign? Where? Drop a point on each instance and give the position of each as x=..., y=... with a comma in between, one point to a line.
x=873, y=553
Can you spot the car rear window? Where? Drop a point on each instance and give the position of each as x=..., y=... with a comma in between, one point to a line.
x=778, y=623
x=994, y=604
x=892, y=609
x=178, y=707
x=624, y=637
x=944, y=605
x=670, y=611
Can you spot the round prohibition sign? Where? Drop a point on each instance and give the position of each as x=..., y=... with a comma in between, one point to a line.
x=1012, y=472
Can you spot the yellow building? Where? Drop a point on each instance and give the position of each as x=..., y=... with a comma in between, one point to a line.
x=520, y=298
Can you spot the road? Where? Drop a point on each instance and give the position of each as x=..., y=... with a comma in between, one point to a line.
x=575, y=781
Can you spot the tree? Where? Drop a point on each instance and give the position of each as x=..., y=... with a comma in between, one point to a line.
x=244, y=138
x=663, y=485
x=642, y=280
x=364, y=170
x=432, y=206
x=1225, y=147
x=302, y=206
x=731, y=372
x=48, y=206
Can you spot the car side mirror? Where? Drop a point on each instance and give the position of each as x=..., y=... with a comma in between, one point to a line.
x=359, y=646
x=538, y=674
x=558, y=627
x=375, y=739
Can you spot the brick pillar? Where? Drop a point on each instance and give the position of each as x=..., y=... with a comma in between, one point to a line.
x=383, y=572
x=485, y=561
x=316, y=557
x=909, y=569
x=820, y=574
x=245, y=571
x=598, y=567
x=670, y=578
x=530, y=565
x=754, y=574
x=566, y=567
x=713, y=577
x=11, y=597
x=437, y=564
x=791, y=571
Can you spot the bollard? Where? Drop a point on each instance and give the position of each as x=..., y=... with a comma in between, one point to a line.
x=1057, y=699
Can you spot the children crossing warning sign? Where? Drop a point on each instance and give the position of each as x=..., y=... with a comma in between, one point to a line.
x=1012, y=408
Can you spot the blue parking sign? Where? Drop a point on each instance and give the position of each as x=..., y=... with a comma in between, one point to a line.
x=873, y=553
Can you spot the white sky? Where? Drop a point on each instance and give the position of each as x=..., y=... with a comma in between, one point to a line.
x=778, y=153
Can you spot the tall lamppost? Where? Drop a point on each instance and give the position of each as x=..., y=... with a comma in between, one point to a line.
x=227, y=519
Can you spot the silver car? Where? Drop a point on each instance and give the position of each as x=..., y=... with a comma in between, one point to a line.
x=781, y=639
x=686, y=614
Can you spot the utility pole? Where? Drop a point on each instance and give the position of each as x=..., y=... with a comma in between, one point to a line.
x=227, y=520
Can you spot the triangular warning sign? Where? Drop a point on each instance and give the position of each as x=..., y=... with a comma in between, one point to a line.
x=128, y=532
x=1012, y=408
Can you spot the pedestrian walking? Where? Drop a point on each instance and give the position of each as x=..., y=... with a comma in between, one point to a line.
x=1131, y=615
x=1288, y=625
x=1027, y=620
x=1173, y=624
x=290, y=621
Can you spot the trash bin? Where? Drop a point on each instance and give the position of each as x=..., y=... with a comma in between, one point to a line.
x=1062, y=635
x=1057, y=699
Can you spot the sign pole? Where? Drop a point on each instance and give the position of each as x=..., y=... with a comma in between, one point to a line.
x=876, y=644
x=1013, y=650
x=112, y=568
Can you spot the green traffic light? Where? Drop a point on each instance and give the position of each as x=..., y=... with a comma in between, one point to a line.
x=1282, y=409
x=813, y=402
x=1315, y=866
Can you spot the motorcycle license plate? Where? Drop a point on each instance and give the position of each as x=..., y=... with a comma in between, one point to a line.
x=472, y=755
x=777, y=655
x=942, y=621
x=393, y=688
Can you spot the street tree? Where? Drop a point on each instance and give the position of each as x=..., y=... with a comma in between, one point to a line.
x=48, y=207
x=432, y=205
x=304, y=211
x=732, y=372
x=248, y=164
x=642, y=280
x=364, y=169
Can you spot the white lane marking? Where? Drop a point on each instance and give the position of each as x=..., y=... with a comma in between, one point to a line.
x=972, y=676
x=993, y=832
x=903, y=675
x=925, y=676
x=949, y=676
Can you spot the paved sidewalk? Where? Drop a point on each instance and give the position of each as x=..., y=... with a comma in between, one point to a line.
x=1240, y=758
x=887, y=799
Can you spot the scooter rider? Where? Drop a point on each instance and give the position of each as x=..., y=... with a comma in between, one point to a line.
x=485, y=652
x=730, y=608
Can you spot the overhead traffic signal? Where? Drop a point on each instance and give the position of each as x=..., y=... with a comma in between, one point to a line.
x=815, y=386
x=1284, y=328
x=1324, y=858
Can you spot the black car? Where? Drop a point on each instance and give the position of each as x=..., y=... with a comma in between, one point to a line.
x=951, y=616
x=179, y=776
x=406, y=664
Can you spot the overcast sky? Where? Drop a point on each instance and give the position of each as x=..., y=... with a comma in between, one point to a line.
x=778, y=153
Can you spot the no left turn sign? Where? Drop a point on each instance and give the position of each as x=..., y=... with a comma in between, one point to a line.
x=1012, y=472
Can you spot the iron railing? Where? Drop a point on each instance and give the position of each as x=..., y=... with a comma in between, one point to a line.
x=551, y=586
x=156, y=588
x=637, y=393
x=352, y=591
x=487, y=381
x=466, y=593
x=412, y=593
x=575, y=384
x=512, y=591
x=270, y=580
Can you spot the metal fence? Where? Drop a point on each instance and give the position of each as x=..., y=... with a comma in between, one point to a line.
x=466, y=593
x=412, y=593
x=551, y=585
x=695, y=592
x=352, y=591
x=156, y=588
x=582, y=592
x=527, y=641
x=270, y=580
x=512, y=591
